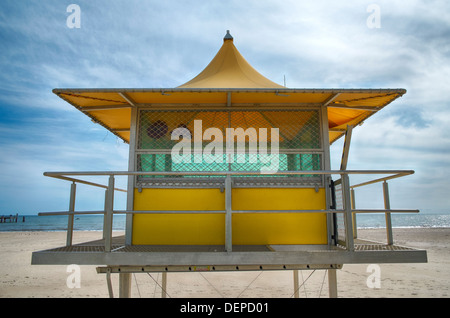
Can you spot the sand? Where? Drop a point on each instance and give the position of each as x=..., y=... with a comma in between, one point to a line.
x=19, y=279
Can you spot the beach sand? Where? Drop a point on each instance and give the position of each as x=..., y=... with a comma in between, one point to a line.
x=19, y=279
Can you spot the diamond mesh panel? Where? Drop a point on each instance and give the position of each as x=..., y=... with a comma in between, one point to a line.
x=339, y=216
x=206, y=135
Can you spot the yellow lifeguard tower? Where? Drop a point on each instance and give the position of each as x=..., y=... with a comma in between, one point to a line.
x=230, y=171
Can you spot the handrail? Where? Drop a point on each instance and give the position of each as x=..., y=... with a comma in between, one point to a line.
x=348, y=199
x=61, y=176
x=224, y=173
x=224, y=211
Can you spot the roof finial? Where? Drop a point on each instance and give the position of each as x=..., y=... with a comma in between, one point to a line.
x=228, y=36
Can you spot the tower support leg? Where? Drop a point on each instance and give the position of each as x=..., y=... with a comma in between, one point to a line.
x=296, y=286
x=124, y=285
x=164, y=285
x=332, y=283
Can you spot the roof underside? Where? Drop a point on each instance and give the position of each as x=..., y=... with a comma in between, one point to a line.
x=228, y=81
x=111, y=108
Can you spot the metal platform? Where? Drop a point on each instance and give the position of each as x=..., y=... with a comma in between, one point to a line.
x=119, y=255
x=215, y=257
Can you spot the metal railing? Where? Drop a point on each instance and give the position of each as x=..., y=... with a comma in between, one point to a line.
x=348, y=210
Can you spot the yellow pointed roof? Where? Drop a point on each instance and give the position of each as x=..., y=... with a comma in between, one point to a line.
x=228, y=81
x=229, y=69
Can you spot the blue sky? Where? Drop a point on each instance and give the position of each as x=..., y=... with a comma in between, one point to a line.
x=152, y=44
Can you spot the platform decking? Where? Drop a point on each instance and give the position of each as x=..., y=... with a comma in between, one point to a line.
x=215, y=257
x=118, y=252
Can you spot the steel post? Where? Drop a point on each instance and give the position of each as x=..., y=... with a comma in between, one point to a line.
x=73, y=189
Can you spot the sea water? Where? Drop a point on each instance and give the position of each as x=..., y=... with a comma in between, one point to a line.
x=35, y=223
x=425, y=219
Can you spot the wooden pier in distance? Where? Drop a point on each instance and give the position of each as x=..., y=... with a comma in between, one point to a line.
x=10, y=218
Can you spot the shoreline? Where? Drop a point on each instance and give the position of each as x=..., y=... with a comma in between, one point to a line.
x=19, y=279
x=359, y=229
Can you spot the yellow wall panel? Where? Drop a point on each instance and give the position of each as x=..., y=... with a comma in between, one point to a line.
x=248, y=228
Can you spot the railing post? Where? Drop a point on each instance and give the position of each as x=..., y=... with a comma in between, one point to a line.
x=348, y=213
x=332, y=283
x=387, y=206
x=355, y=227
x=104, y=214
x=109, y=204
x=296, y=285
x=124, y=285
x=164, y=285
x=73, y=190
x=228, y=215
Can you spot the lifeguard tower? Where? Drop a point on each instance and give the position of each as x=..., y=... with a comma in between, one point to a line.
x=230, y=172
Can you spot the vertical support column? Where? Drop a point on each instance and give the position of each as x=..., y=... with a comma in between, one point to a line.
x=387, y=206
x=348, y=213
x=327, y=165
x=355, y=227
x=164, y=285
x=109, y=283
x=296, y=288
x=125, y=285
x=109, y=214
x=73, y=189
x=104, y=215
x=346, y=149
x=332, y=283
x=131, y=179
x=228, y=215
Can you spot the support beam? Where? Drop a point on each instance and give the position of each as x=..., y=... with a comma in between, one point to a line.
x=346, y=149
x=131, y=178
x=327, y=166
x=109, y=283
x=332, y=283
x=387, y=206
x=355, y=227
x=128, y=99
x=228, y=215
x=164, y=285
x=106, y=107
x=121, y=130
x=125, y=285
x=73, y=189
x=109, y=214
x=331, y=99
x=105, y=228
x=362, y=108
x=296, y=285
x=348, y=221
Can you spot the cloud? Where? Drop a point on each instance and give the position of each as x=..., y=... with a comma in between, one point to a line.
x=166, y=43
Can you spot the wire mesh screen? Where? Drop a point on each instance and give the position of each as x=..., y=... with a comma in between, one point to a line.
x=340, y=225
x=210, y=141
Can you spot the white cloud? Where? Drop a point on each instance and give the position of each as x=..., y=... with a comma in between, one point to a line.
x=166, y=43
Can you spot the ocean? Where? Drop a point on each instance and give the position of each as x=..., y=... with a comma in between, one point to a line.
x=424, y=219
x=34, y=223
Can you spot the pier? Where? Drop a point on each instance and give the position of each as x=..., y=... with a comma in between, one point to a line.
x=10, y=218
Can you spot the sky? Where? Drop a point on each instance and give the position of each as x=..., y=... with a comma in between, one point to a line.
x=163, y=44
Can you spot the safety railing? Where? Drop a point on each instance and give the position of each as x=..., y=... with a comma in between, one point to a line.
x=348, y=209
